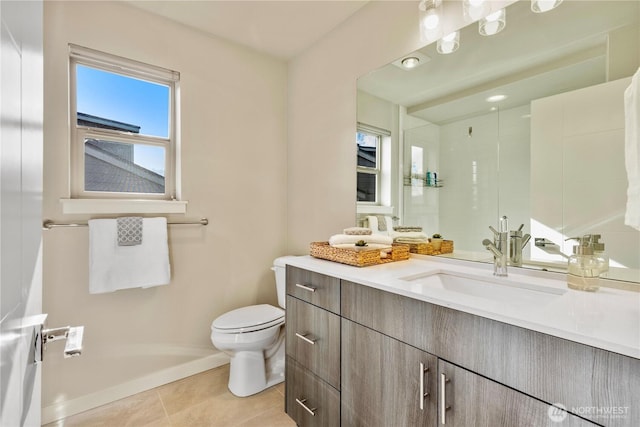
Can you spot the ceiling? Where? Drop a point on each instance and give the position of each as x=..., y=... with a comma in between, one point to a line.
x=537, y=55
x=279, y=28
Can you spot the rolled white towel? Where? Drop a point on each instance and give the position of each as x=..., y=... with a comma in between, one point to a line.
x=338, y=239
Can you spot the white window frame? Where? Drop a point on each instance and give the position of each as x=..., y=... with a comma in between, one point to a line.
x=377, y=171
x=129, y=68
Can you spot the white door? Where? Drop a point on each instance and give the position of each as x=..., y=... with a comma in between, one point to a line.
x=21, y=118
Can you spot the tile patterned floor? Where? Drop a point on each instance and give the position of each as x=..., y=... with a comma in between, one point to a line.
x=202, y=400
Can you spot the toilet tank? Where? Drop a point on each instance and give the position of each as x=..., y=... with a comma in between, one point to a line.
x=279, y=268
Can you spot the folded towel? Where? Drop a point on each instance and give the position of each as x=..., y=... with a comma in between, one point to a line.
x=380, y=246
x=632, y=150
x=129, y=230
x=372, y=221
x=357, y=231
x=410, y=240
x=380, y=224
x=409, y=235
x=340, y=239
x=113, y=267
x=404, y=228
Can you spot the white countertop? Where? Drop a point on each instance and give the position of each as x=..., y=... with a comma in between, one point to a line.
x=608, y=319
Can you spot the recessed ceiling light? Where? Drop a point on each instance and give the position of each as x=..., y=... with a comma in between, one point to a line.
x=496, y=98
x=410, y=62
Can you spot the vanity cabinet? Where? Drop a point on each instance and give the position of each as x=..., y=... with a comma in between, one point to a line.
x=388, y=359
x=592, y=383
x=384, y=381
x=312, y=342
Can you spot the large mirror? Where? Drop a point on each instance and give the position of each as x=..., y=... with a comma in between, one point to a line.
x=549, y=153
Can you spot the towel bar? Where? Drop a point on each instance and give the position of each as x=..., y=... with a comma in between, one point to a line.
x=48, y=224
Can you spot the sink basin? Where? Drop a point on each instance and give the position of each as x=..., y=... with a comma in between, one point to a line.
x=501, y=290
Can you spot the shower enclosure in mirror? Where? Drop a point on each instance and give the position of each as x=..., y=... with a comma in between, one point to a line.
x=528, y=123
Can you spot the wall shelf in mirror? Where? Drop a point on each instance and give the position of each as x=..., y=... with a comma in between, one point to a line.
x=421, y=182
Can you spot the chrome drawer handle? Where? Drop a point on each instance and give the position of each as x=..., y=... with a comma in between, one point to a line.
x=423, y=393
x=304, y=338
x=306, y=288
x=443, y=401
x=306, y=408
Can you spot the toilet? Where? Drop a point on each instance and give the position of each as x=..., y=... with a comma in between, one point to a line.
x=253, y=338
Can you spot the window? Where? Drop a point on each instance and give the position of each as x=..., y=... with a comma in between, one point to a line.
x=123, y=127
x=368, y=167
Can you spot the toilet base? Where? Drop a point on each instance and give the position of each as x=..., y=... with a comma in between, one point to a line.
x=251, y=373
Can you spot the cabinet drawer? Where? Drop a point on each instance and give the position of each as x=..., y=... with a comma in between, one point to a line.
x=313, y=339
x=310, y=401
x=315, y=288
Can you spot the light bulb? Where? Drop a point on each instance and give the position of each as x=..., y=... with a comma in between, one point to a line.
x=541, y=6
x=474, y=9
x=493, y=23
x=449, y=43
x=431, y=19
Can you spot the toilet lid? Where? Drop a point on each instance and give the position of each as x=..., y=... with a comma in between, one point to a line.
x=252, y=317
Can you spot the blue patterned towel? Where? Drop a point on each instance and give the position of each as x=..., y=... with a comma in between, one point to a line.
x=129, y=231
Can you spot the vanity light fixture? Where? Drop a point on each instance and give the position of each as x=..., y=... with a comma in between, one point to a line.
x=493, y=23
x=449, y=43
x=496, y=98
x=541, y=6
x=429, y=13
x=474, y=9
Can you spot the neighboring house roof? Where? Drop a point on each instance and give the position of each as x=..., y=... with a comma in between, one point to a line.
x=102, y=123
x=105, y=171
x=109, y=165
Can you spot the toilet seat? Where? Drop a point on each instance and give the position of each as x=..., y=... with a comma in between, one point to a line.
x=249, y=319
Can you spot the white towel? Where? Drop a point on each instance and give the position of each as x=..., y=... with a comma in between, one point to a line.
x=342, y=239
x=372, y=222
x=409, y=235
x=632, y=150
x=113, y=267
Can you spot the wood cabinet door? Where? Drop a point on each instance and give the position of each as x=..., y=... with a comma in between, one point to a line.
x=384, y=381
x=467, y=399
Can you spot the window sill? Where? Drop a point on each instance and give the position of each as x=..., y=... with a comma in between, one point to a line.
x=122, y=206
x=374, y=209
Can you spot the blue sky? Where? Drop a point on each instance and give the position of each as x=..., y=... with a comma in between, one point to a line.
x=126, y=99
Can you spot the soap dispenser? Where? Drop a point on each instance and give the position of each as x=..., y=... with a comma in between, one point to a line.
x=598, y=250
x=585, y=266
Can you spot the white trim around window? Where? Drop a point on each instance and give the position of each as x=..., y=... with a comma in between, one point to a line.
x=79, y=134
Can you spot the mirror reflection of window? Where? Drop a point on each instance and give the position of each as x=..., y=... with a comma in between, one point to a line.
x=368, y=166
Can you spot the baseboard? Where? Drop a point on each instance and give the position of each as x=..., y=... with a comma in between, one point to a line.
x=111, y=394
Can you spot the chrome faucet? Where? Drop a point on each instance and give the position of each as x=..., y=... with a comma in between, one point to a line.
x=517, y=244
x=499, y=247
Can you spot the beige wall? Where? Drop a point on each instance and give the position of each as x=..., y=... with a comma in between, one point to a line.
x=234, y=173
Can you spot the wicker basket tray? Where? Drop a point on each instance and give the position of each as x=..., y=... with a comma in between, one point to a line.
x=427, y=248
x=356, y=256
